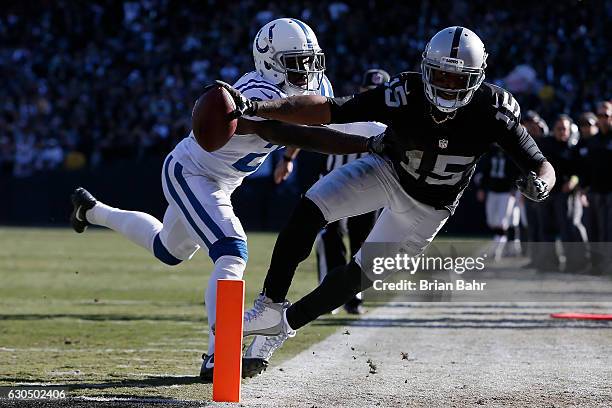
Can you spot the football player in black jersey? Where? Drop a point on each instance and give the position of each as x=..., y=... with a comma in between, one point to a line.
x=440, y=121
x=497, y=190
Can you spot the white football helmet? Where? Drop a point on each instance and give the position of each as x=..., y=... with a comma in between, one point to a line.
x=287, y=53
x=453, y=67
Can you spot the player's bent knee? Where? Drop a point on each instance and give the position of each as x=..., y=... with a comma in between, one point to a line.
x=309, y=211
x=229, y=246
x=228, y=267
x=162, y=253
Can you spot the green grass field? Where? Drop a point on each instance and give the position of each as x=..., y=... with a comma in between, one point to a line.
x=101, y=315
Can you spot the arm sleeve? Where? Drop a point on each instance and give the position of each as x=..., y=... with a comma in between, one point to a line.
x=512, y=136
x=521, y=148
x=364, y=107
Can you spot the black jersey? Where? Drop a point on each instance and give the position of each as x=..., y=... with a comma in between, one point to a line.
x=563, y=157
x=435, y=158
x=499, y=173
x=595, y=162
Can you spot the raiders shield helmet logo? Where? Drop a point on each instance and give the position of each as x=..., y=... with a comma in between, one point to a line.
x=442, y=143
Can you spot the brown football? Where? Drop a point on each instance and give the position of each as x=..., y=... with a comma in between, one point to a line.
x=211, y=120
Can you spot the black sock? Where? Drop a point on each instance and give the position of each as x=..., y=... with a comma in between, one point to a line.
x=338, y=287
x=511, y=233
x=292, y=246
x=499, y=231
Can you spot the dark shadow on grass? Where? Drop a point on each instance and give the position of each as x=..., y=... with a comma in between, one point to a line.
x=147, y=382
x=459, y=323
x=131, y=401
x=102, y=317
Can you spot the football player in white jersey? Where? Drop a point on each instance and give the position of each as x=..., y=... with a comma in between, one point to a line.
x=198, y=184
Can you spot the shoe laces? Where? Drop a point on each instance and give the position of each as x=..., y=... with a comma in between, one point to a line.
x=258, y=309
x=271, y=344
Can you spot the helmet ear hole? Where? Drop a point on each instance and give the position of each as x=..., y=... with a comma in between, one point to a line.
x=267, y=65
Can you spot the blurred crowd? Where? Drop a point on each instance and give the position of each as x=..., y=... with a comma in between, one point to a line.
x=578, y=212
x=86, y=83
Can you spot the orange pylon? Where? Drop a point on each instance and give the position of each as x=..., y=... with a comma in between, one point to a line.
x=228, y=340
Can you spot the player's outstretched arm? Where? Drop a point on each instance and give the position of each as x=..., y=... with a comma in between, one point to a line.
x=538, y=174
x=305, y=110
x=314, y=138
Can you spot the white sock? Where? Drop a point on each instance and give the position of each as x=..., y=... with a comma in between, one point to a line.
x=500, y=244
x=138, y=227
x=226, y=267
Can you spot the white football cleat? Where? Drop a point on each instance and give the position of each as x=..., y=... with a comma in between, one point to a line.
x=257, y=357
x=267, y=318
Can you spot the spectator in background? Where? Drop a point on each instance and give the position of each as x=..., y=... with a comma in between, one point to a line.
x=587, y=123
x=535, y=125
x=50, y=155
x=101, y=74
x=561, y=214
x=538, y=129
x=604, y=117
x=596, y=157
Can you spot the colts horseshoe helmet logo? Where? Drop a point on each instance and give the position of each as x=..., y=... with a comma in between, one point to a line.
x=265, y=49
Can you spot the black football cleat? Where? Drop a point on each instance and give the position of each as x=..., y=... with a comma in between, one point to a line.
x=354, y=307
x=250, y=367
x=208, y=367
x=81, y=202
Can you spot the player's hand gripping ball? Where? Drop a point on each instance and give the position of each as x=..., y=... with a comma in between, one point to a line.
x=214, y=118
x=244, y=106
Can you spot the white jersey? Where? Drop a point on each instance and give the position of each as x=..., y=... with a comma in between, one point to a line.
x=365, y=129
x=243, y=154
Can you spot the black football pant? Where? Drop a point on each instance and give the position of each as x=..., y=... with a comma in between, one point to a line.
x=293, y=245
x=560, y=216
x=331, y=250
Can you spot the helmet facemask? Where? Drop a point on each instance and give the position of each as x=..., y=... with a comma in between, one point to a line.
x=448, y=84
x=303, y=69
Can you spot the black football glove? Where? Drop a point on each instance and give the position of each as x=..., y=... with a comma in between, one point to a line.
x=377, y=144
x=244, y=106
x=533, y=187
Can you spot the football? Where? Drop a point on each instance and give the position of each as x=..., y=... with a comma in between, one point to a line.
x=211, y=119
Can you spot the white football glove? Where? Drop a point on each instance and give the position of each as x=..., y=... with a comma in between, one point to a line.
x=533, y=187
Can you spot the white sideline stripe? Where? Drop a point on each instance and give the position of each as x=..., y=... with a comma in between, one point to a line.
x=141, y=400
